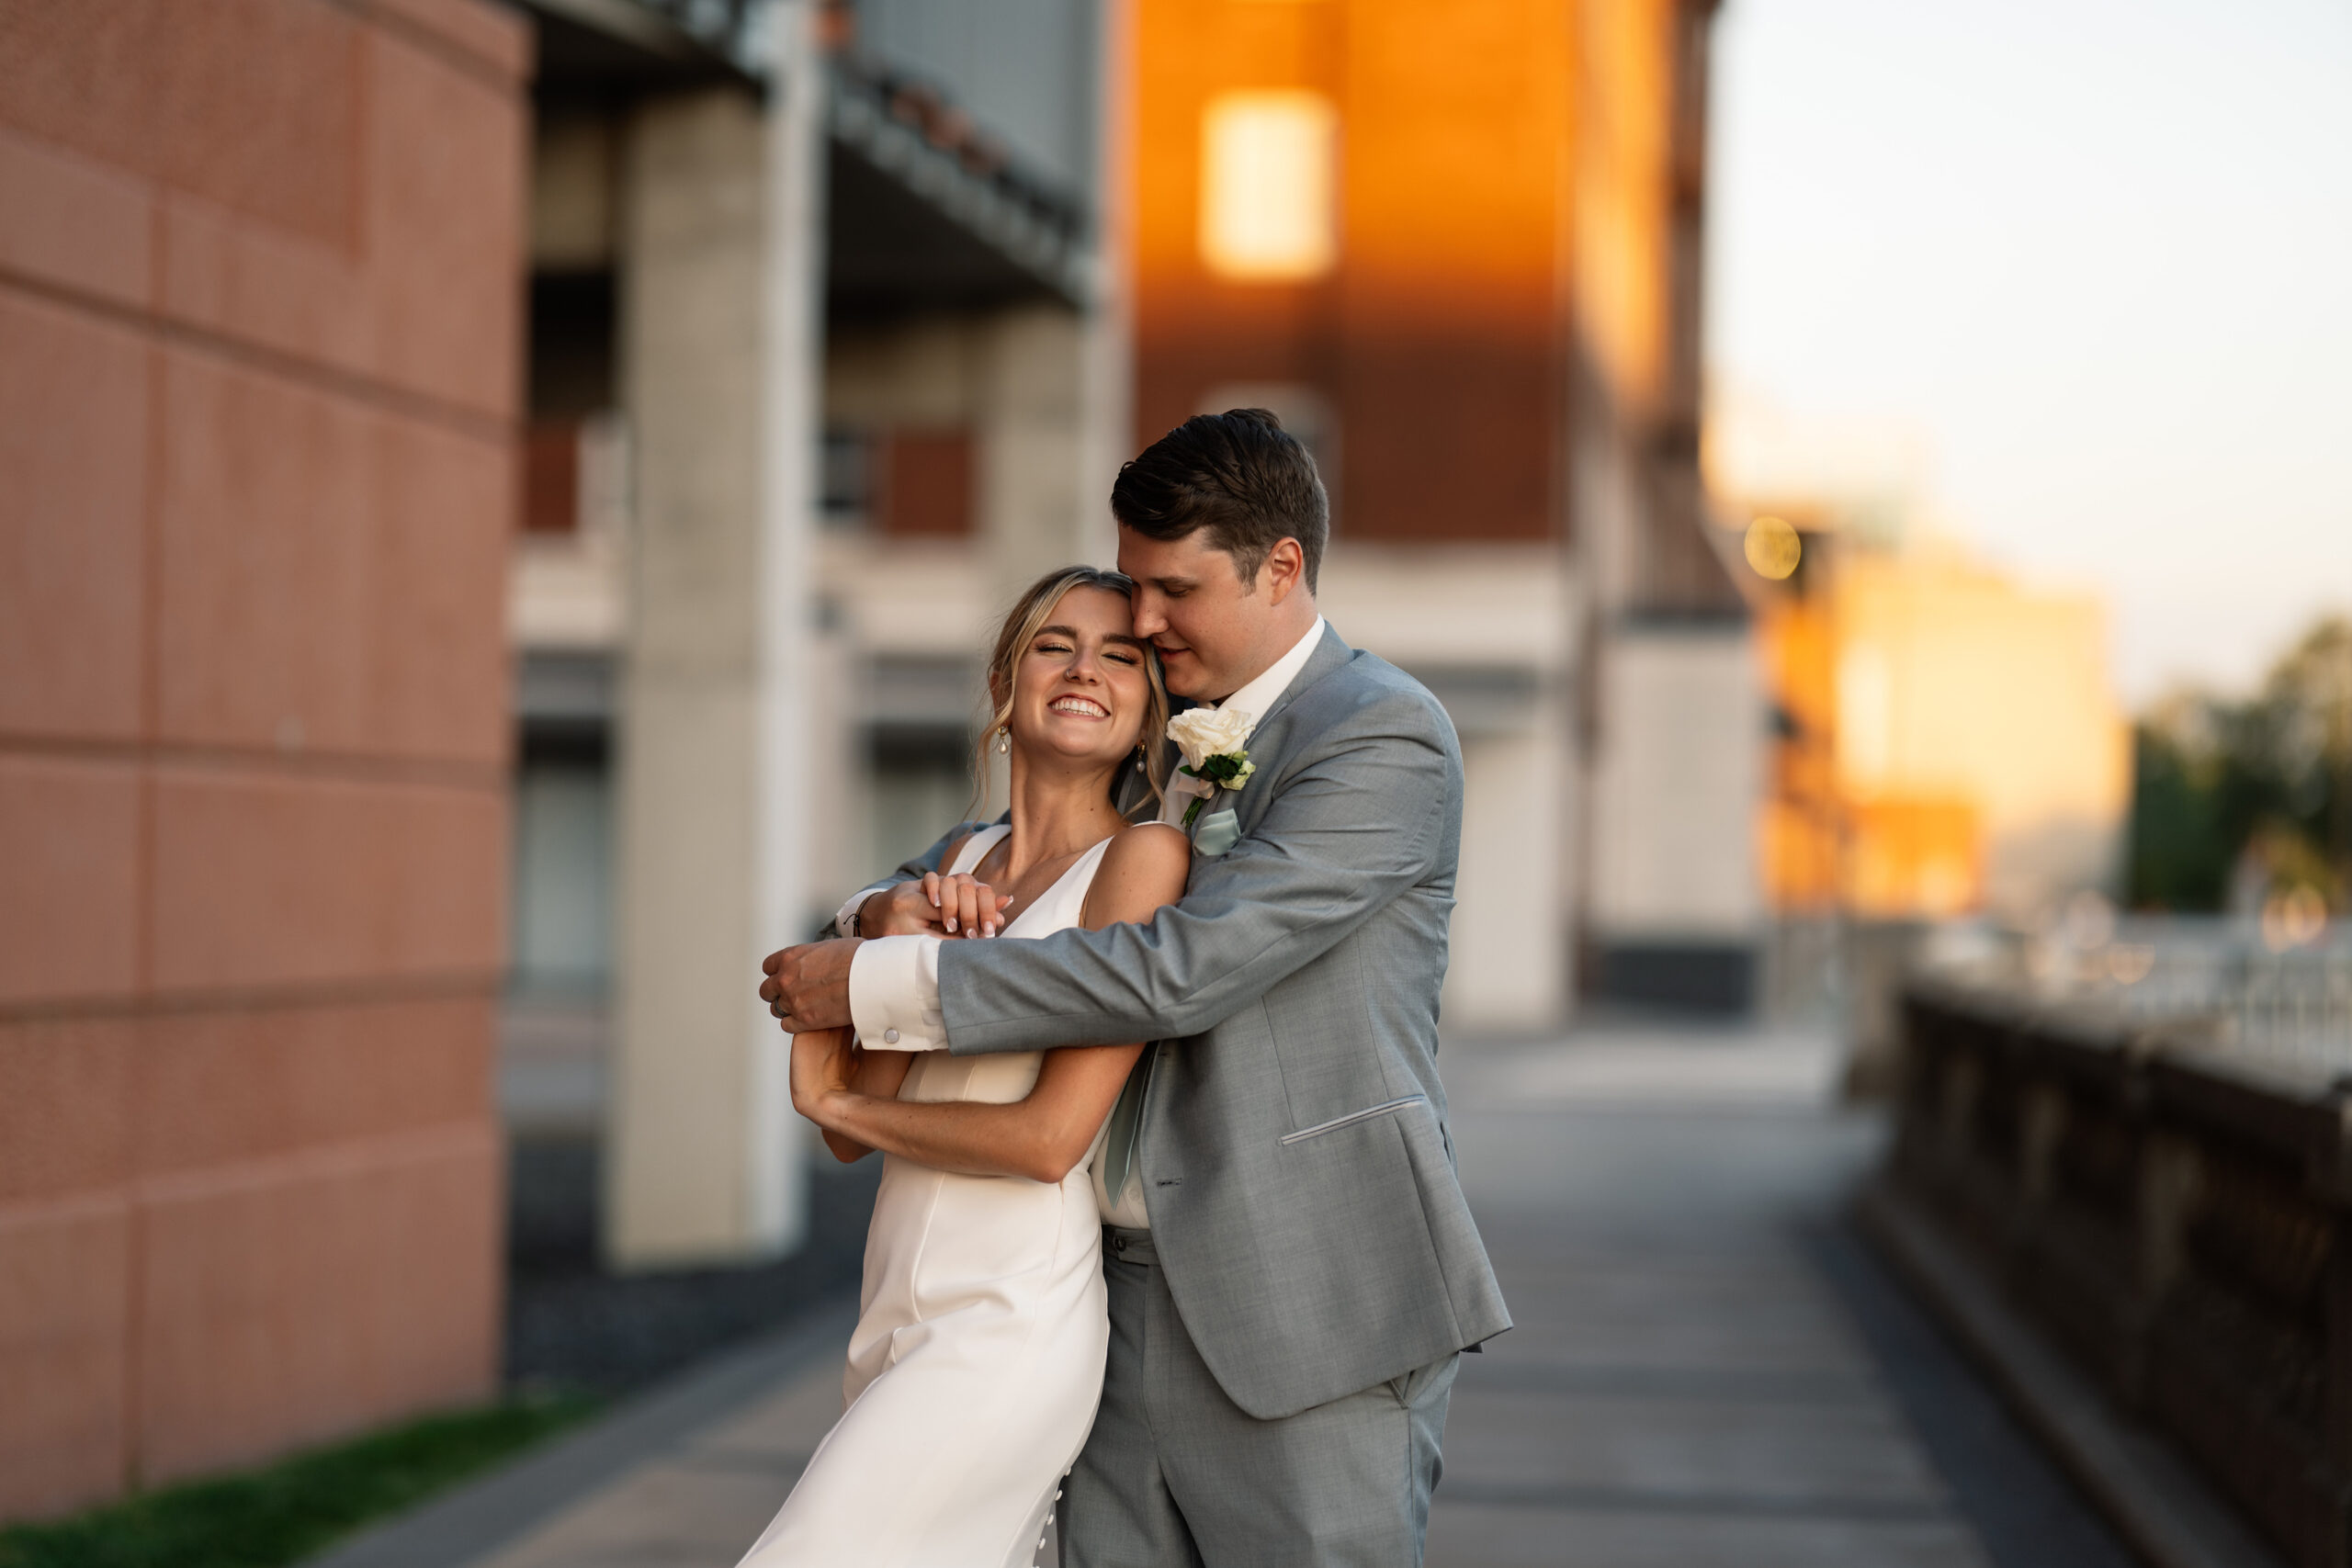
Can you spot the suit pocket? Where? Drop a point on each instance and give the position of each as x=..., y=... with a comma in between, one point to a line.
x=1410, y=1387
x=1351, y=1118
x=1219, y=833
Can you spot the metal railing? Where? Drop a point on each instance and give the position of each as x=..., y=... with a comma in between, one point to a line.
x=2252, y=993
x=736, y=29
x=2173, y=1220
x=913, y=128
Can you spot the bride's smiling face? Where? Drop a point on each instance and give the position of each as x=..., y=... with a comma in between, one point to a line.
x=1080, y=690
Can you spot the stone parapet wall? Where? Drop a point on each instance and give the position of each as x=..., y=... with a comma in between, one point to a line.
x=2177, y=1218
x=259, y=274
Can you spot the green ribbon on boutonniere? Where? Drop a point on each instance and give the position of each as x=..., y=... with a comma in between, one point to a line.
x=1227, y=770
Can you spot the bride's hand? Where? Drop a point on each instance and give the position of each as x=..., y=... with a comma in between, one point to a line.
x=936, y=906
x=823, y=1061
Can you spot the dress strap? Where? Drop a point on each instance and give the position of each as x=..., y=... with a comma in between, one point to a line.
x=975, y=849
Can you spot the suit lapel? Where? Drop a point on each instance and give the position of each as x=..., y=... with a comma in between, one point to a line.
x=1331, y=653
x=1270, y=737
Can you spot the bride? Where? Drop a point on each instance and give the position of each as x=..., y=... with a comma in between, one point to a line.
x=977, y=1362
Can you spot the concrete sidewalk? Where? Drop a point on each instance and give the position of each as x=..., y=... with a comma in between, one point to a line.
x=1685, y=1386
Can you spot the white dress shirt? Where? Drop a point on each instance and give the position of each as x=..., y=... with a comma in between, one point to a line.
x=894, y=980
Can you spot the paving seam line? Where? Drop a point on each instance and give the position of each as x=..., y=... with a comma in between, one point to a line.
x=481, y=1516
x=2166, y=1513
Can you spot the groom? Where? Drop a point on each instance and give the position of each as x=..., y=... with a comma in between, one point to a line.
x=1293, y=1270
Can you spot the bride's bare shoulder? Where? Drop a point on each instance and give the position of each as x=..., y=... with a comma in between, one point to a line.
x=1151, y=844
x=1144, y=868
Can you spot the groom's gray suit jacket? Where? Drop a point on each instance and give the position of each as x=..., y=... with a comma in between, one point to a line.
x=1297, y=1165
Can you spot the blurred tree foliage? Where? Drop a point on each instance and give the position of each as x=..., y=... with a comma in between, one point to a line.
x=2258, y=786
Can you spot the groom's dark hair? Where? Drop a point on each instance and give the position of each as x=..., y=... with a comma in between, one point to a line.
x=1238, y=474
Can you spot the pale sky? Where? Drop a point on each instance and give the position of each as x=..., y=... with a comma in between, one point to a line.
x=2098, y=254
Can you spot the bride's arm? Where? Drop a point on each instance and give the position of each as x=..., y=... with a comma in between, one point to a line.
x=877, y=1075
x=1045, y=1134
x=1040, y=1137
x=874, y=1074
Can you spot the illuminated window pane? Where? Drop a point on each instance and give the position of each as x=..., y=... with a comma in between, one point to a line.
x=1267, y=185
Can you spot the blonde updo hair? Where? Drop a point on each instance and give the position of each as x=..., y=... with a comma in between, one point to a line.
x=1029, y=616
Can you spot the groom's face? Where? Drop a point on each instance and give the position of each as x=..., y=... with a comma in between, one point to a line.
x=1210, y=627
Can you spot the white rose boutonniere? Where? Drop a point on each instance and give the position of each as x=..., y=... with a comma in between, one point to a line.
x=1212, y=740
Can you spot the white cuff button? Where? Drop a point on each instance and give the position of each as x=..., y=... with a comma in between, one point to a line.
x=889, y=1037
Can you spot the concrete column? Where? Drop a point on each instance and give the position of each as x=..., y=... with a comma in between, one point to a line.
x=1676, y=792
x=1053, y=387
x=792, y=404
x=1106, y=396
x=1029, y=394
x=705, y=1161
x=1505, y=971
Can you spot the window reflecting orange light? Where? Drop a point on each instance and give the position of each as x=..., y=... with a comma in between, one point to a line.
x=1268, y=184
x=1773, y=549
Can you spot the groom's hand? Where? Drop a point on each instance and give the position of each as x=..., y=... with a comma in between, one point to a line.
x=807, y=986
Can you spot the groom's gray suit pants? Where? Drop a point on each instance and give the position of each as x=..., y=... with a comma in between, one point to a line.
x=1176, y=1475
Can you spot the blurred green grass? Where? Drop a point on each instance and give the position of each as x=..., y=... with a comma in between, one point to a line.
x=276, y=1517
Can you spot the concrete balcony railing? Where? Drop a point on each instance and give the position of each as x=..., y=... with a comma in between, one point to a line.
x=2162, y=1187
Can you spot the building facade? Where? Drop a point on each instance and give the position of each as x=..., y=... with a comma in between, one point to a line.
x=257, y=394
x=1951, y=744
x=567, y=459
x=1948, y=746
x=1454, y=248
x=825, y=365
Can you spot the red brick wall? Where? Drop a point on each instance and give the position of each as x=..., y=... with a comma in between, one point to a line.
x=259, y=263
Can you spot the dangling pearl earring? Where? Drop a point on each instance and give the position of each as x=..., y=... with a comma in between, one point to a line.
x=1004, y=739
x=1138, y=759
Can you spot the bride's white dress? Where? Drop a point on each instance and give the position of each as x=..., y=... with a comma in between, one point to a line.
x=977, y=1362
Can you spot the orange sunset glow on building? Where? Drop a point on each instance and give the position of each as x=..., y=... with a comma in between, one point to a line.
x=1446, y=203
x=1457, y=250
x=1947, y=741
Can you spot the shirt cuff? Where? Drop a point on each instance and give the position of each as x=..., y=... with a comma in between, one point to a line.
x=894, y=993
x=848, y=911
